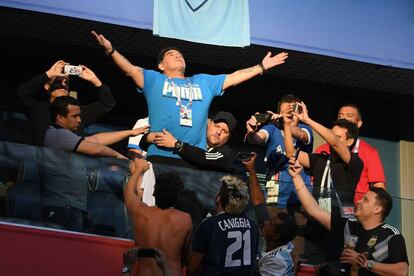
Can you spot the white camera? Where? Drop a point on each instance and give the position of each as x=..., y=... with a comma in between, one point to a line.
x=72, y=70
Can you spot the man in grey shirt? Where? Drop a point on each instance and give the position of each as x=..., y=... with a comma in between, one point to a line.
x=65, y=184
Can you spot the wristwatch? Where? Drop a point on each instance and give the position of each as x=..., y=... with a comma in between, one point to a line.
x=370, y=264
x=178, y=146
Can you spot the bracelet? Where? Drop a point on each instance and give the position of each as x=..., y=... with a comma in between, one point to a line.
x=110, y=53
x=303, y=185
x=263, y=68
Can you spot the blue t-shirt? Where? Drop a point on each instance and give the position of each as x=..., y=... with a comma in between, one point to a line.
x=275, y=141
x=229, y=244
x=164, y=113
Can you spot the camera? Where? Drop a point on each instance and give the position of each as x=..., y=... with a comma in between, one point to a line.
x=72, y=70
x=297, y=108
x=263, y=118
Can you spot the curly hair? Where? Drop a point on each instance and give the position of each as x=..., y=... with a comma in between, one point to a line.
x=234, y=194
x=166, y=190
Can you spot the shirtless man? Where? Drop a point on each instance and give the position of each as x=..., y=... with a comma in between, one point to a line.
x=158, y=226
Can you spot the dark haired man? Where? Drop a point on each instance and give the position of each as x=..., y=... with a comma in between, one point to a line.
x=65, y=187
x=278, y=230
x=226, y=244
x=170, y=94
x=272, y=136
x=66, y=113
x=335, y=179
x=373, y=171
x=380, y=248
x=39, y=92
x=159, y=226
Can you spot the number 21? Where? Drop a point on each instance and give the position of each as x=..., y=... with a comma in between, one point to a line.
x=236, y=246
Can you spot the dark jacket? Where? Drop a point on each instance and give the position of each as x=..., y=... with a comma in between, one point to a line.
x=37, y=104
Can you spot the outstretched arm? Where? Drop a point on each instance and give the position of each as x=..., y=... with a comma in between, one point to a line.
x=242, y=75
x=310, y=205
x=109, y=138
x=94, y=149
x=133, y=71
x=339, y=147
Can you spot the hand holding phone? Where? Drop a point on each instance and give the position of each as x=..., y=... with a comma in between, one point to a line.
x=263, y=118
x=242, y=156
x=72, y=70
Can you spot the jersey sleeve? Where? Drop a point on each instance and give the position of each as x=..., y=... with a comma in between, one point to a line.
x=397, y=250
x=202, y=237
x=149, y=79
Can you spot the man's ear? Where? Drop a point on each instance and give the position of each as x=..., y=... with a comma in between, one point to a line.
x=350, y=141
x=161, y=67
x=378, y=209
x=59, y=118
x=359, y=123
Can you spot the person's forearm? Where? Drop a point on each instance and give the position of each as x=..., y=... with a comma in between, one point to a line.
x=299, y=134
x=29, y=88
x=132, y=71
x=105, y=96
x=255, y=190
x=305, y=197
x=242, y=75
x=199, y=158
x=109, y=138
x=254, y=138
x=130, y=192
x=398, y=269
x=289, y=147
x=340, y=148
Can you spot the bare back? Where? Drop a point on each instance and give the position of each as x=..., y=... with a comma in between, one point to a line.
x=168, y=230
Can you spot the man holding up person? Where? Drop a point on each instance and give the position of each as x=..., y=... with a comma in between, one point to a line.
x=380, y=248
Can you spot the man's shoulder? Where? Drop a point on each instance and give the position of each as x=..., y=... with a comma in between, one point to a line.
x=389, y=229
x=365, y=146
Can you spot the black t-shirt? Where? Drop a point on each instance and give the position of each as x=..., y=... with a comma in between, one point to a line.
x=345, y=178
x=368, y=239
x=229, y=244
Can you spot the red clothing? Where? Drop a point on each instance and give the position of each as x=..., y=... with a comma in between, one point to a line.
x=373, y=170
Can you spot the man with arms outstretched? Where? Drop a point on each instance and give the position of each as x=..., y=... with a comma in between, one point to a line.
x=178, y=103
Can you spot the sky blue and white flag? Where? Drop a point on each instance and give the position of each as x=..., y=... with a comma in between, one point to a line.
x=218, y=22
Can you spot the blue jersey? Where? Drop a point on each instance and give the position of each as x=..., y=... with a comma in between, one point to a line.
x=229, y=244
x=275, y=141
x=162, y=95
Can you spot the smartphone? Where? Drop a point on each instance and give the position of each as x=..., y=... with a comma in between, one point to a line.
x=146, y=253
x=242, y=156
x=72, y=70
x=297, y=151
x=297, y=108
x=263, y=118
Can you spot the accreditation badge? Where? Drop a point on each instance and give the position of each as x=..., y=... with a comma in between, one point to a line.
x=186, y=116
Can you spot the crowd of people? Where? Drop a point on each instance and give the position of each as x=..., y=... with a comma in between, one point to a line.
x=323, y=197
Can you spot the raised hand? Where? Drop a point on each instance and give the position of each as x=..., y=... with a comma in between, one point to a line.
x=88, y=75
x=269, y=61
x=103, y=42
x=56, y=70
x=294, y=167
x=303, y=115
x=250, y=164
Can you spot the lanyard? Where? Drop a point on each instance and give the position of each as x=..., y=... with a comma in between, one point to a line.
x=326, y=172
x=177, y=94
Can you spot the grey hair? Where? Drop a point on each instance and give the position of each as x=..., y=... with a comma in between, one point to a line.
x=234, y=194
